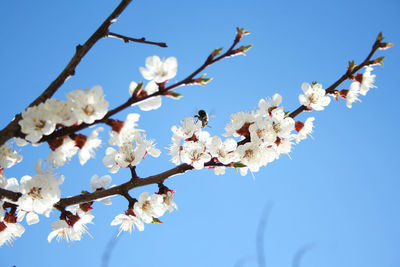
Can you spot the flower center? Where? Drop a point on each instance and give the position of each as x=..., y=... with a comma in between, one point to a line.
x=88, y=109
x=35, y=193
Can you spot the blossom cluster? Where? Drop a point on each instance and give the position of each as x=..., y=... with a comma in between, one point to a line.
x=38, y=195
x=131, y=144
x=158, y=72
x=82, y=106
x=361, y=85
x=252, y=140
x=146, y=210
x=262, y=135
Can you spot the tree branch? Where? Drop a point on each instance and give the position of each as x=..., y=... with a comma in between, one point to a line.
x=13, y=128
x=133, y=100
x=13, y=196
x=123, y=188
x=345, y=76
x=127, y=39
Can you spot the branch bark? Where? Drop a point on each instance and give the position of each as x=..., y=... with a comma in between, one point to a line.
x=13, y=128
x=345, y=76
x=128, y=39
x=133, y=100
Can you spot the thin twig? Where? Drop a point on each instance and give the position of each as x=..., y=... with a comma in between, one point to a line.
x=128, y=39
x=13, y=128
x=186, y=81
x=345, y=76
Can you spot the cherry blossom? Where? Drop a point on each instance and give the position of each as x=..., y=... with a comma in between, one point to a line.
x=10, y=231
x=88, y=105
x=366, y=80
x=36, y=122
x=63, y=153
x=314, y=96
x=40, y=192
x=158, y=70
x=8, y=156
x=123, y=132
x=127, y=222
x=149, y=103
x=148, y=207
x=89, y=145
x=223, y=151
x=304, y=129
x=101, y=183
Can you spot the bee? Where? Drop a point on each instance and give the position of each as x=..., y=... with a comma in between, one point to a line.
x=203, y=117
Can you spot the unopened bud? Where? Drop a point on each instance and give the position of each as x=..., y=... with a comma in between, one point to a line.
x=351, y=66
x=216, y=52
x=343, y=93
x=384, y=46
x=377, y=61
x=380, y=37
x=242, y=50
x=173, y=95
x=298, y=126
x=138, y=90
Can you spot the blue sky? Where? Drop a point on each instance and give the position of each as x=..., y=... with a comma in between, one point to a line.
x=338, y=192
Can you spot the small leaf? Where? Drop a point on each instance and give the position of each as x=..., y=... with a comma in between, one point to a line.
x=380, y=37
x=216, y=52
x=242, y=31
x=384, y=46
x=173, y=95
x=238, y=165
x=155, y=220
x=352, y=65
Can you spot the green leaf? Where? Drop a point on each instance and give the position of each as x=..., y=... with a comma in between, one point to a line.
x=173, y=95
x=155, y=220
x=238, y=165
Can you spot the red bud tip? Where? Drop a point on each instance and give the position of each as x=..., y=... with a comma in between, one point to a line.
x=80, y=140
x=298, y=126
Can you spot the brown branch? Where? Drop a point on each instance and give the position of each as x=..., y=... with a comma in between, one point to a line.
x=13, y=128
x=123, y=188
x=13, y=196
x=127, y=39
x=133, y=100
x=345, y=76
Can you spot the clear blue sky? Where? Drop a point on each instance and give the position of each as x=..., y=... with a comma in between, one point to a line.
x=339, y=191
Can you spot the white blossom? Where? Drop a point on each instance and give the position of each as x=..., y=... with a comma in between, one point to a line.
x=314, y=96
x=158, y=70
x=8, y=156
x=63, y=153
x=367, y=81
x=101, y=183
x=195, y=154
x=239, y=124
x=127, y=222
x=266, y=106
x=148, y=103
x=223, y=151
x=37, y=121
x=124, y=132
x=148, y=207
x=92, y=142
x=10, y=231
x=219, y=170
x=304, y=129
x=40, y=192
x=352, y=94
x=250, y=156
x=168, y=200
x=88, y=105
